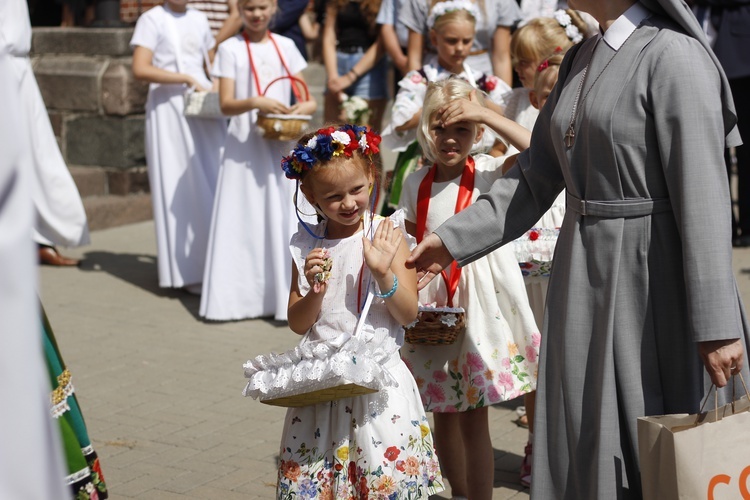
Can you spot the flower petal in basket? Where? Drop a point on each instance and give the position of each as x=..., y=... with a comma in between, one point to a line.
x=282, y=127
x=436, y=326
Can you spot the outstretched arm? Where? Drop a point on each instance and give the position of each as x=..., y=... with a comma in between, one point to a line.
x=429, y=258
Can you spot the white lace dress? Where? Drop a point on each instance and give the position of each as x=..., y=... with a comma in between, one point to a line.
x=380, y=443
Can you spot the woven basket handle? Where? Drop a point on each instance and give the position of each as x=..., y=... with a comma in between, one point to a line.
x=294, y=80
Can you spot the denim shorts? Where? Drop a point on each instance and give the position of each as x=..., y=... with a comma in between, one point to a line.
x=371, y=85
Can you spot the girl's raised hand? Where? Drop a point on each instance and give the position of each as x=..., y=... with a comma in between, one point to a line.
x=270, y=106
x=317, y=270
x=462, y=110
x=380, y=252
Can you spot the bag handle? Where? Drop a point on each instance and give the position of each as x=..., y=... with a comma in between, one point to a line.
x=716, y=398
x=294, y=80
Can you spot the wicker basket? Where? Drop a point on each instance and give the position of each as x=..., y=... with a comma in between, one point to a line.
x=343, y=389
x=436, y=326
x=284, y=127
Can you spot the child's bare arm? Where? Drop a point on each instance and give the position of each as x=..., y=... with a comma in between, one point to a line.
x=303, y=311
x=230, y=105
x=386, y=258
x=144, y=69
x=472, y=110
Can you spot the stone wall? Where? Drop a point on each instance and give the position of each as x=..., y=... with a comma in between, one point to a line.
x=96, y=108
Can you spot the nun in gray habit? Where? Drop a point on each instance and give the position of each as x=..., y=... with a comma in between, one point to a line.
x=642, y=309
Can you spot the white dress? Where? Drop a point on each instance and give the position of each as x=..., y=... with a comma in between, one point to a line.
x=379, y=442
x=535, y=249
x=182, y=154
x=27, y=433
x=60, y=217
x=247, y=269
x=496, y=360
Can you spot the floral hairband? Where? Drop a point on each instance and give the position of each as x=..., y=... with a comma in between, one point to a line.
x=571, y=30
x=442, y=8
x=328, y=143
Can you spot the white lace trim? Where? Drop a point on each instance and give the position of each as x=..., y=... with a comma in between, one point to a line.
x=319, y=365
x=60, y=399
x=77, y=476
x=537, y=244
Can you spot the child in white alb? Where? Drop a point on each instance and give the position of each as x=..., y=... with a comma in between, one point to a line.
x=247, y=271
x=183, y=154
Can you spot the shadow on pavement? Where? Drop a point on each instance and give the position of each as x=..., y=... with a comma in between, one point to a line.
x=138, y=270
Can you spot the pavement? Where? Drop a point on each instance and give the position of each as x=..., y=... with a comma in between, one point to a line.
x=160, y=389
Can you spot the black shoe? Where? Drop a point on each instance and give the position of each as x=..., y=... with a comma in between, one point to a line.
x=741, y=241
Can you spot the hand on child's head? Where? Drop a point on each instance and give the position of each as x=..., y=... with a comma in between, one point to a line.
x=459, y=110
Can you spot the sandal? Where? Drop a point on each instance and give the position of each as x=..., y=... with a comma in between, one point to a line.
x=522, y=420
x=525, y=473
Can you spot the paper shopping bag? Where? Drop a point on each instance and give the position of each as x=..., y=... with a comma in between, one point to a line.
x=704, y=456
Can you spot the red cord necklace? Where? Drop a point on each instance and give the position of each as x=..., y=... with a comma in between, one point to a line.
x=255, y=73
x=463, y=200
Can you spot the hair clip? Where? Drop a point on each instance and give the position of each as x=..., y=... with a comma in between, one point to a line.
x=543, y=66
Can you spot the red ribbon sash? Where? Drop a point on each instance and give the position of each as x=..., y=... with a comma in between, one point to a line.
x=463, y=200
x=255, y=73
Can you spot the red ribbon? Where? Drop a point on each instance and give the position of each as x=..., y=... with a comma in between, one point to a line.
x=463, y=200
x=255, y=73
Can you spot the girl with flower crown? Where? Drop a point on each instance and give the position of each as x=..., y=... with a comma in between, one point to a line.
x=350, y=292
x=490, y=52
x=452, y=31
x=247, y=275
x=496, y=359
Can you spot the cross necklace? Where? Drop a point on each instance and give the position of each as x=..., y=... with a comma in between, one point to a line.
x=570, y=134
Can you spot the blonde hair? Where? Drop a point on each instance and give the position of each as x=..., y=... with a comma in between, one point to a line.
x=541, y=36
x=438, y=95
x=241, y=3
x=454, y=16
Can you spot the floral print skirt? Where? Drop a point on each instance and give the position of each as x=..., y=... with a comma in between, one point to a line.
x=496, y=359
x=373, y=446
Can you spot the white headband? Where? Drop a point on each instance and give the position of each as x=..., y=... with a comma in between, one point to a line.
x=442, y=8
x=571, y=30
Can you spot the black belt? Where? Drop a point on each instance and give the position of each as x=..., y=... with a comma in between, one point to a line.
x=351, y=50
x=616, y=209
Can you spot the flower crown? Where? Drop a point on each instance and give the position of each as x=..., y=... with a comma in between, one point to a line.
x=328, y=143
x=571, y=30
x=442, y=8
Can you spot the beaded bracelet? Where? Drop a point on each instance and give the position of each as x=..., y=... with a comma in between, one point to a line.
x=390, y=292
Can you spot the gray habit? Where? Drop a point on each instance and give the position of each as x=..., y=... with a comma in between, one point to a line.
x=633, y=288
